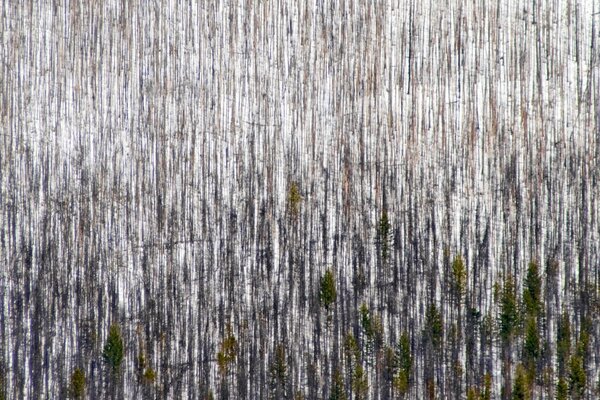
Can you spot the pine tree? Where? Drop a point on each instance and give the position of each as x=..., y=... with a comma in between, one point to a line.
x=372, y=329
x=531, y=347
x=384, y=235
x=434, y=327
x=577, y=378
x=487, y=387
x=228, y=352
x=562, y=389
x=77, y=385
x=532, y=291
x=563, y=343
x=338, y=391
x=520, y=389
x=402, y=365
x=459, y=277
x=294, y=199
x=113, y=352
x=360, y=384
x=327, y=291
x=279, y=372
x=509, y=314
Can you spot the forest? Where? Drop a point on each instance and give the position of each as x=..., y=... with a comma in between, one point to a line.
x=278, y=199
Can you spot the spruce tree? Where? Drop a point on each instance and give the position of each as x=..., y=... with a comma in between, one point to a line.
x=402, y=365
x=77, y=384
x=577, y=378
x=113, y=352
x=338, y=391
x=327, y=291
x=384, y=236
x=532, y=291
x=360, y=384
x=520, y=389
x=434, y=327
x=509, y=312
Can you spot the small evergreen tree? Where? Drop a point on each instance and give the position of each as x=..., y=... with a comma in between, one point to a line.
x=114, y=350
x=294, y=199
x=521, y=387
x=472, y=394
x=434, y=327
x=509, y=312
x=562, y=389
x=77, y=385
x=459, y=277
x=584, y=339
x=338, y=391
x=403, y=365
x=531, y=347
x=577, y=378
x=2, y=381
x=532, y=292
x=327, y=291
x=563, y=343
x=372, y=328
x=351, y=349
x=149, y=376
x=228, y=352
x=384, y=235
x=487, y=387
x=360, y=384
x=279, y=369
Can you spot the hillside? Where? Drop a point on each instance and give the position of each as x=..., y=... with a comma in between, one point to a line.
x=300, y=200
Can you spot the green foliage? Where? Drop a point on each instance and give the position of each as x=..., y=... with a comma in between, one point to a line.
x=294, y=199
x=149, y=376
x=401, y=382
x=360, y=384
x=562, y=389
x=521, y=387
x=459, y=277
x=351, y=349
x=403, y=355
x=487, y=387
x=434, y=327
x=532, y=291
x=279, y=365
x=372, y=327
x=563, y=342
x=509, y=312
x=583, y=343
x=114, y=350
x=365, y=318
x=430, y=388
x=77, y=384
x=141, y=363
x=327, y=291
x=472, y=394
x=577, y=378
x=384, y=235
x=403, y=364
x=485, y=393
x=338, y=391
x=228, y=352
x=531, y=347
x=2, y=381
